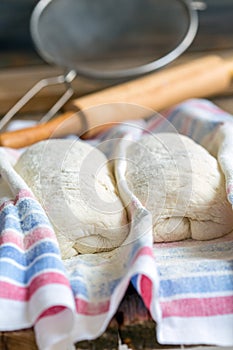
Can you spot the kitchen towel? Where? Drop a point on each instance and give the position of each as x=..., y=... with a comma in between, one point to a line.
x=187, y=286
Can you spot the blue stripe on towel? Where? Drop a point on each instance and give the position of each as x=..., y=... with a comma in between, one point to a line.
x=196, y=285
x=23, y=276
x=25, y=258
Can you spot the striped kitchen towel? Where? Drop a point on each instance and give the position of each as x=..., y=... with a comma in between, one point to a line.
x=65, y=301
x=187, y=286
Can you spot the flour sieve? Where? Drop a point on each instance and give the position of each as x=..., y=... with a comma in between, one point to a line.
x=107, y=39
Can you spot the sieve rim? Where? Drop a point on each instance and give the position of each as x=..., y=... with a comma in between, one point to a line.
x=121, y=73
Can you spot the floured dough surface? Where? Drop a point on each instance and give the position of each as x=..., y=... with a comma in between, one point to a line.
x=73, y=182
x=182, y=185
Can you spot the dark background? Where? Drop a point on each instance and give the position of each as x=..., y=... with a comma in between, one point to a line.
x=215, y=30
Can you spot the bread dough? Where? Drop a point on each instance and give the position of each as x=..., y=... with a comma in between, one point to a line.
x=73, y=183
x=182, y=185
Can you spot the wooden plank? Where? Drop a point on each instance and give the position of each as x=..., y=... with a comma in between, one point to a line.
x=224, y=102
x=19, y=340
x=15, y=82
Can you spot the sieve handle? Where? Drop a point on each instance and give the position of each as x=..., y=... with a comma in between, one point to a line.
x=200, y=78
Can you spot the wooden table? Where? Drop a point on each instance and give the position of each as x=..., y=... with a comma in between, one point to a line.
x=15, y=82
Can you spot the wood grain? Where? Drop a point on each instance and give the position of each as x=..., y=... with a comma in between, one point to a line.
x=19, y=340
x=198, y=78
x=15, y=82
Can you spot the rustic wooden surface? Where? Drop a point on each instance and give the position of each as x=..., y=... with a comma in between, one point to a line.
x=21, y=340
x=15, y=82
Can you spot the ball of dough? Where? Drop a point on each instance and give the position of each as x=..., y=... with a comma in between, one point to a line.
x=73, y=183
x=181, y=184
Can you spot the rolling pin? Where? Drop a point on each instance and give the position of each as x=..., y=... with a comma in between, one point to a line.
x=135, y=99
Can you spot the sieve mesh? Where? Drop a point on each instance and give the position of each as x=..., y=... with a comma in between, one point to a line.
x=109, y=39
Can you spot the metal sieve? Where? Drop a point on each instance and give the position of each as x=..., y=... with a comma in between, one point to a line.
x=107, y=39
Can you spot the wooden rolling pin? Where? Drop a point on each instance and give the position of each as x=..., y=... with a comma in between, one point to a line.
x=131, y=100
